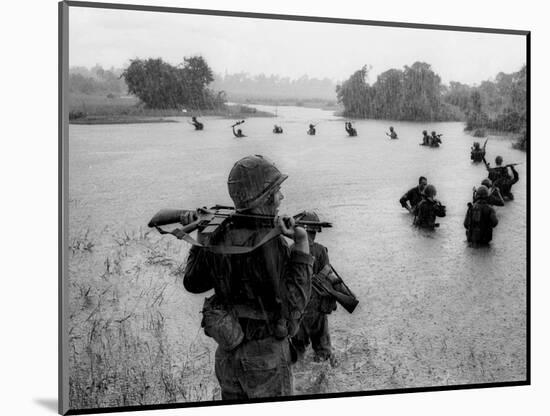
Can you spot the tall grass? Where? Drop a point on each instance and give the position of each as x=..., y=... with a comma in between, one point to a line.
x=123, y=349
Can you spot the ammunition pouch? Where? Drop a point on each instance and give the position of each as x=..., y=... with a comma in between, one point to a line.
x=221, y=324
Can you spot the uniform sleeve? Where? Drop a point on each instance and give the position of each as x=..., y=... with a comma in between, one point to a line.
x=406, y=197
x=467, y=218
x=198, y=278
x=493, y=218
x=323, y=258
x=516, y=176
x=297, y=287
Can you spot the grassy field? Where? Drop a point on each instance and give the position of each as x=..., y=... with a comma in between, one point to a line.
x=101, y=109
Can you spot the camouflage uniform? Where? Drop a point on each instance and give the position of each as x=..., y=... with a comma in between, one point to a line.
x=477, y=154
x=505, y=182
x=270, y=283
x=314, y=326
x=260, y=295
x=479, y=222
x=414, y=196
x=426, y=212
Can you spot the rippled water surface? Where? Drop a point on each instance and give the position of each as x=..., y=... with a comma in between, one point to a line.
x=432, y=310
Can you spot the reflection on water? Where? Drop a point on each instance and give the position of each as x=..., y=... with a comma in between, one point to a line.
x=424, y=297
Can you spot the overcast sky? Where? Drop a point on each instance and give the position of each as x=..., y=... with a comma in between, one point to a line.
x=113, y=37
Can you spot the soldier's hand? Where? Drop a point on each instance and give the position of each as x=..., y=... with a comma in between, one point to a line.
x=188, y=217
x=289, y=229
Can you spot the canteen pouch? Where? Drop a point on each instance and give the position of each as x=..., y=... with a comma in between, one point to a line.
x=221, y=324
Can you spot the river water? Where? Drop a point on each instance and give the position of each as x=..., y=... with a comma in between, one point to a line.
x=434, y=310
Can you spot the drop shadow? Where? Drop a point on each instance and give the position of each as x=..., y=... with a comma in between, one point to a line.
x=49, y=404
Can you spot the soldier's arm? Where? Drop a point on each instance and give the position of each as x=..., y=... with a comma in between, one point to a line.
x=297, y=275
x=198, y=278
x=496, y=198
x=404, y=199
x=493, y=218
x=516, y=175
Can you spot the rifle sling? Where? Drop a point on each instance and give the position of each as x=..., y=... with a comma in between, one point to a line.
x=230, y=249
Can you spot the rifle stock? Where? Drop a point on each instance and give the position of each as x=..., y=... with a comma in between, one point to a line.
x=322, y=285
x=166, y=217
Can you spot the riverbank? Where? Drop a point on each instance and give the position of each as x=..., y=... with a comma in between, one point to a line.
x=95, y=109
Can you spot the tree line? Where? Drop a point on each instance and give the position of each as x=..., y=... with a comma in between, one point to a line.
x=161, y=85
x=415, y=93
x=500, y=104
x=262, y=86
x=96, y=81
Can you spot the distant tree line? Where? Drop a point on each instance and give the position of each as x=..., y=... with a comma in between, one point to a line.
x=159, y=84
x=500, y=104
x=414, y=93
x=96, y=81
x=244, y=85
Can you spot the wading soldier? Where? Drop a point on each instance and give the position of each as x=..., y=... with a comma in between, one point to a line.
x=501, y=178
x=495, y=197
x=198, y=125
x=428, y=209
x=311, y=130
x=425, y=138
x=414, y=196
x=260, y=295
x=477, y=153
x=480, y=219
x=314, y=326
x=392, y=134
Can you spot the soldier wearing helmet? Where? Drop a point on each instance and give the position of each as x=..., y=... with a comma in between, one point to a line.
x=314, y=326
x=392, y=134
x=480, y=219
x=435, y=139
x=428, y=209
x=260, y=296
x=501, y=178
x=311, y=131
x=495, y=197
x=477, y=153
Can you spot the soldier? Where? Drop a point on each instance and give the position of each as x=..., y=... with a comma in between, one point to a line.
x=311, y=130
x=350, y=130
x=392, y=134
x=277, y=129
x=198, y=125
x=414, y=195
x=428, y=209
x=435, y=139
x=477, y=153
x=501, y=178
x=480, y=219
x=238, y=133
x=425, y=138
x=314, y=326
x=505, y=184
x=495, y=197
x=260, y=296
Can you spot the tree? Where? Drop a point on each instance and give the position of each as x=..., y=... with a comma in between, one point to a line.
x=161, y=85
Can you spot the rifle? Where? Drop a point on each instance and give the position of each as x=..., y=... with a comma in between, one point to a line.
x=237, y=123
x=211, y=221
x=329, y=283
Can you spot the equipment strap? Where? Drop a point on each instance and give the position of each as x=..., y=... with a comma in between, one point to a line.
x=220, y=249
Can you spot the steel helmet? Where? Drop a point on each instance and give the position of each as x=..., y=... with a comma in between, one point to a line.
x=310, y=216
x=252, y=180
x=498, y=160
x=487, y=182
x=482, y=192
x=424, y=131
x=476, y=145
x=429, y=191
